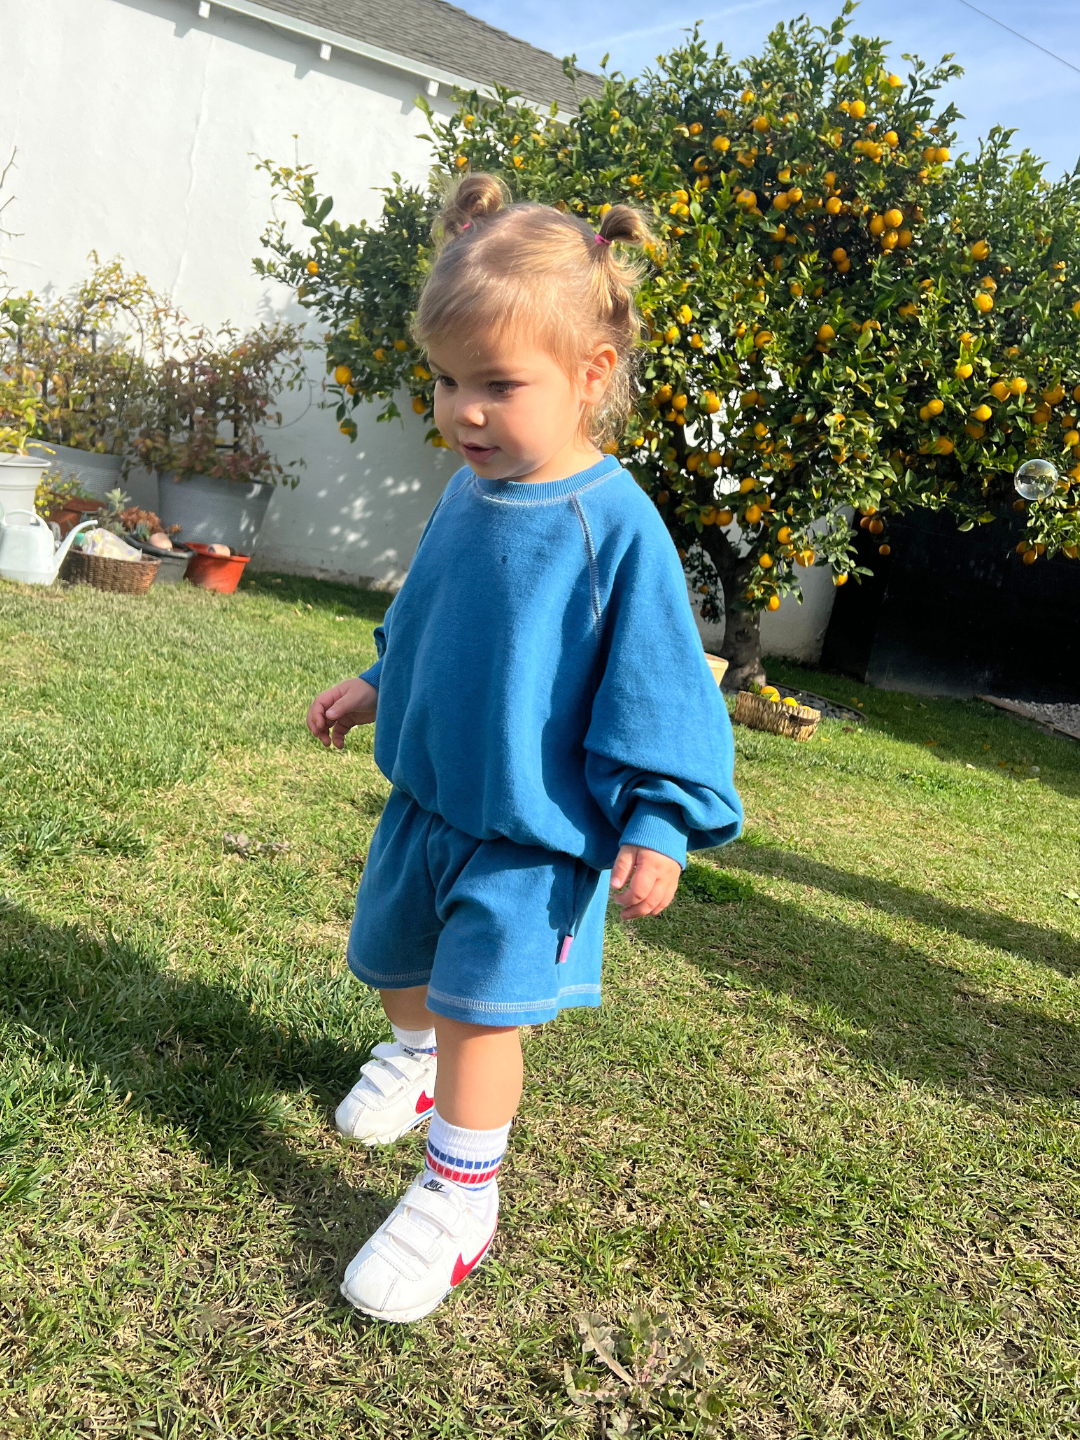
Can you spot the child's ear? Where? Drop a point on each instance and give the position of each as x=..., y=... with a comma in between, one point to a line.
x=598, y=370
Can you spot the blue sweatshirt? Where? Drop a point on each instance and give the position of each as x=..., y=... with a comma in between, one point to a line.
x=541, y=678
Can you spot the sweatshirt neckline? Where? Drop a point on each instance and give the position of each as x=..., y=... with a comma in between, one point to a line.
x=537, y=492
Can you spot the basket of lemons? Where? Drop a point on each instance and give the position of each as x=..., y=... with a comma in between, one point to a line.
x=761, y=708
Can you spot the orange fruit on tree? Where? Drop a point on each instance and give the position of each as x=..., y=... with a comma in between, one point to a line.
x=783, y=535
x=745, y=486
x=773, y=602
x=753, y=514
x=999, y=390
x=826, y=333
x=724, y=517
x=1018, y=385
x=893, y=219
x=984, y=302
x=419, y=405
x=877, y=225
x=679, y=402
x=833, y=205
x=980, y=250
x=884, y=549
x=721, y=142
x=765, y=561
x=342, y=374
x=840, y=579
x=312, y=267
x=710, y=403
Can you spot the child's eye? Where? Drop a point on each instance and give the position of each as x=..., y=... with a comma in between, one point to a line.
x=447, y=381
x=504, y=387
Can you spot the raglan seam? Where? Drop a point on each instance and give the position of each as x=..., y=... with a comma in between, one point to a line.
x=590, y=552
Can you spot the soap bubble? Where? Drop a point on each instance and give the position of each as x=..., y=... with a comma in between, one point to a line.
x=1036, y=480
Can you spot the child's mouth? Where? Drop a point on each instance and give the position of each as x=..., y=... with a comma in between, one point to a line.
x=479, y=453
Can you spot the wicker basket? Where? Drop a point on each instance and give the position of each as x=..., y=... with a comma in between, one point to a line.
x=797, y=722
x=125, y=577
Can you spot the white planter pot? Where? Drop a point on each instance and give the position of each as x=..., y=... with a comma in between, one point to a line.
x=19, y=476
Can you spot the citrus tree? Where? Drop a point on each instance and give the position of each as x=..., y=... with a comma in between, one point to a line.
x=844, y=321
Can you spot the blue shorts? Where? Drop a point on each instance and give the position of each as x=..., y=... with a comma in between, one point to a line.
x=484, y=924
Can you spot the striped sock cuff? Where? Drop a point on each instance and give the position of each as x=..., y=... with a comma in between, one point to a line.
x=465, y=1157
x=422, y=1041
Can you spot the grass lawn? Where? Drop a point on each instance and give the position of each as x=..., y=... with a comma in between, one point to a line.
x=828, y=1128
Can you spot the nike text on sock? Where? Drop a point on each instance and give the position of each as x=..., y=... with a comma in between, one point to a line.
x=422, y=1041
x=467, y=1158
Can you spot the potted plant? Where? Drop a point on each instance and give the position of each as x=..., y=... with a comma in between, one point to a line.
x=87, y=350
x=20, y=411
x=62, y=499
x=206, y=410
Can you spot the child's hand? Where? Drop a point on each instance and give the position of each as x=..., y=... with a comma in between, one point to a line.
x=653, y=879
x=334, y=713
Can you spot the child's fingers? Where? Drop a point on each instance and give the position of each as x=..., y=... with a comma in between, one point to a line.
x=647, y=904
x=623, y=867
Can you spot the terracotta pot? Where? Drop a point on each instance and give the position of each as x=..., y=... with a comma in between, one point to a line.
x=214, y=572
x=73, y=512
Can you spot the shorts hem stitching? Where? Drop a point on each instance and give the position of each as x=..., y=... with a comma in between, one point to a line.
x=508, y=1007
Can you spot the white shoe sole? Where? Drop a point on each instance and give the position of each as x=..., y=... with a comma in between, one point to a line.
x=409, y=1317
x=391, y=1135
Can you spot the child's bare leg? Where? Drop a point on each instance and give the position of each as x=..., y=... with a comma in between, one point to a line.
x=407, y=1008
x=480, y=1073
x=396, y=1089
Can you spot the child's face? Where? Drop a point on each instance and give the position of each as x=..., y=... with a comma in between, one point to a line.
x=511, y=411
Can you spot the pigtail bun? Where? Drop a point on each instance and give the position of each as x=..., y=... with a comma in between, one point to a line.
x=475, y=198
x=625, y=224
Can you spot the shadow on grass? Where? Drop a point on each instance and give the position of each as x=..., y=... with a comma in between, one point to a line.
x=322, y=594
x=197, y=1056
x=1031, y=943
x=964, y=732
x=888, y=1006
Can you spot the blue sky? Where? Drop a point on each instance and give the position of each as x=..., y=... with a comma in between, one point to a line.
x=1006, y=82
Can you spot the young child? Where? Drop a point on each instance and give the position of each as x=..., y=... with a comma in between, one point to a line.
x=545, y=715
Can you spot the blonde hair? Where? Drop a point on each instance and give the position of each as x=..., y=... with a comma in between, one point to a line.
x=501, y=265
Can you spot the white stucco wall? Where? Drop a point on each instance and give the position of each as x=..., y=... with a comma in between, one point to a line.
x=795, y=631
x=136, y=123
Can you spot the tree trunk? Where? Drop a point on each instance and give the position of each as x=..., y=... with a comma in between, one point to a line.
x=742, y=638
x=742, y=650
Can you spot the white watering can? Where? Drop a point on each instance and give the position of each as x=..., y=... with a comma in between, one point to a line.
x=29, y=552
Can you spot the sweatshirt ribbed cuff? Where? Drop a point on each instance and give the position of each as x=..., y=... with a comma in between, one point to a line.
x=372, y=675
x=655, y=827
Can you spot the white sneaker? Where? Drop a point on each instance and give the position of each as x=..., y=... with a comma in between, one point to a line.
x=426, y=1247
x=395, y=1093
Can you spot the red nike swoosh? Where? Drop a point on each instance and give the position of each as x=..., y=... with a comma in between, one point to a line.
x=463, y=1267
x=425, y=1103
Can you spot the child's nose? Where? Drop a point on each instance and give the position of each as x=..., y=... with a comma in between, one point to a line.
x=471, y=412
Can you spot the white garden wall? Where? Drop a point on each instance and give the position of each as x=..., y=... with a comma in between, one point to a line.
x=136, y=123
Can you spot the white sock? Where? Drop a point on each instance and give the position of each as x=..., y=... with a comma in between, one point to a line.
x=422, y=1041
x=468, y=1160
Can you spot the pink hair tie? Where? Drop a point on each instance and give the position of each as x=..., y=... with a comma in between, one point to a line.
x=466, y=225
x=602, y=240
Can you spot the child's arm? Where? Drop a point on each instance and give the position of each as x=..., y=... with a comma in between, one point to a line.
x=334, y=713
x=650, y=878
